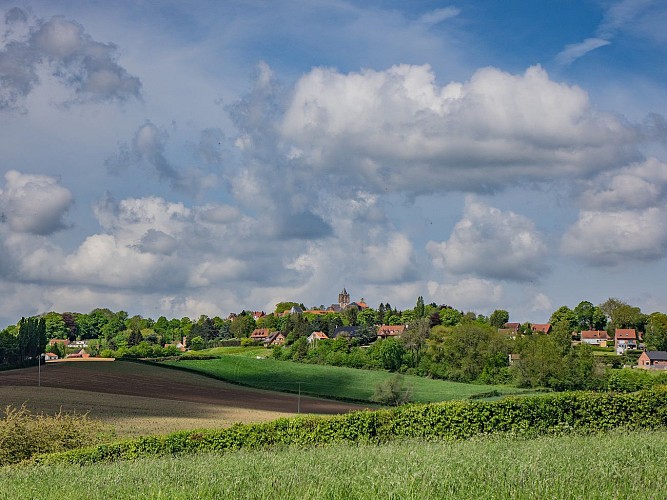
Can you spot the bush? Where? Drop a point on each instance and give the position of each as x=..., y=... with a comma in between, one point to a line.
x=24, y=434
x=392, y=392
x=528, y=416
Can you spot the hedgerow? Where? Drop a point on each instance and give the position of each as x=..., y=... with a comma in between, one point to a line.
x=451, y=420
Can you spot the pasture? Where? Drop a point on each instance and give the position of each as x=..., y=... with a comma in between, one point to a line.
x=347, y=384
x=570, y=466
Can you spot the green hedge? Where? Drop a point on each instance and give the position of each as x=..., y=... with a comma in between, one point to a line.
x=527, y=416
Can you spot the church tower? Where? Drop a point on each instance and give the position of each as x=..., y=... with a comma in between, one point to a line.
x=343, y=299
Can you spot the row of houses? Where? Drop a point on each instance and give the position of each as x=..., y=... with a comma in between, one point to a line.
x=269, y=338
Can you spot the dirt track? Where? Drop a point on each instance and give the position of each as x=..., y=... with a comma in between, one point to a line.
x=134, y=379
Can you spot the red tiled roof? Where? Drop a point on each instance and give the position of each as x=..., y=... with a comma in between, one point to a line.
x=390, y=330
x=260, y=333
x=541, y=327
x=594, y=334
x=626, y=334
x=319, y=335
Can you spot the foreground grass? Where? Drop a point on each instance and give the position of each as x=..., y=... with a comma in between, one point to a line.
x=614, y=465
x=329, y=381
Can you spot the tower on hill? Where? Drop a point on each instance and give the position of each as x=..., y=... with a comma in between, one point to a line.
x=343, y=299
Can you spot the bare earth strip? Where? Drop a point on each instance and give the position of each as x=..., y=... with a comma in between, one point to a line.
x=140, y=399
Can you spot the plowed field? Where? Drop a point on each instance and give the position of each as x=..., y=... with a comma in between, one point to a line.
x=138, y=399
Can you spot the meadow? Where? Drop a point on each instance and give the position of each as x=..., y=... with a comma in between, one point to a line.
x=347, y=384
x=618, y=464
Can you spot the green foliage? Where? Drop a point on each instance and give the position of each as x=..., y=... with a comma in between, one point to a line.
x=656, y=332
x=281, y=307
x=392, y=391
x=197, y=343
x=487, y=467
x=498, y=318
x=529, y=416
x=450, y=317
x=24, y=434
x=565, y=318
x=242, y=326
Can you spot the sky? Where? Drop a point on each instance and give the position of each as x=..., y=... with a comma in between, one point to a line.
x=184, y=158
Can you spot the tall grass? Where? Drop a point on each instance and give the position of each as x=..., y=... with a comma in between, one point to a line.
x=615, y=465
x=24, y=434
x=334, y=382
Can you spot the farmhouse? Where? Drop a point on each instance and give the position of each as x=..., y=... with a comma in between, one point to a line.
x=385, y=331
x=64, y=342
x=595, y=337
x=260, y=334
x=79, y=354
x=50, y=356
x=653, y=359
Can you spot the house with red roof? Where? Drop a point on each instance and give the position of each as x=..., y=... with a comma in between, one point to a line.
x=260, y=334
x=541, y=327
x=624, y=339
x=317, y=336
x=385, y=331
x=595, y=337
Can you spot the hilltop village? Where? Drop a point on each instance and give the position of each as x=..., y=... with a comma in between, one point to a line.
x=573, y=349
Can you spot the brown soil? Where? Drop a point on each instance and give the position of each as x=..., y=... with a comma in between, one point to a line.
x=133, y=379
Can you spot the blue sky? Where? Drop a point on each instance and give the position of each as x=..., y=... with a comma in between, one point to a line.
x=187, y=158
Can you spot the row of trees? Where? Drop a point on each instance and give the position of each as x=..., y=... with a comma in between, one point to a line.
x=24, y=343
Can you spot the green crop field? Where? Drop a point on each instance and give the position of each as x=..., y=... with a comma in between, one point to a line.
x=329, y=381
x=614, y=465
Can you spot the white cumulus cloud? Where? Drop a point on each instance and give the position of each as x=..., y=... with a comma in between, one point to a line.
x=34, y=204
x=490, y=243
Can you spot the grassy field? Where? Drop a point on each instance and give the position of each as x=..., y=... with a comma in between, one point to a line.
x=616, y=465
x=328, y=381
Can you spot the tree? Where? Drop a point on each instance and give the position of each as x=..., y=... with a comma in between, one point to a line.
x=623, y=315
x=55, y=326
x=450, y=316
x=499, y=317
x=390, y=353
x=656, y=332
x=196, y=343
x=589, y=317
x=367, y=317
x=565, y=316
x=420, y=309
x=242, y=326
x=392, y=391
x=414, y=338
x=135, y=337
x=281, y=307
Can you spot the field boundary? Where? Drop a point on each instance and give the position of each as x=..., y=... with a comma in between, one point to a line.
x=554, y=414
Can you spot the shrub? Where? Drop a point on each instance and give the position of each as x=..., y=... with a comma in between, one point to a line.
x=24, y=434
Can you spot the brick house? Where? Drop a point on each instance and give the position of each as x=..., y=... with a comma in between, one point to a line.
x=653, y=359
x=624, y=339
x=260, y=334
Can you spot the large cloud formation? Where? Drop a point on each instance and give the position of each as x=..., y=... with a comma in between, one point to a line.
x=490, y=243
x=623, y=217
x=34, y=204
x=88, y=67
x=397, y=130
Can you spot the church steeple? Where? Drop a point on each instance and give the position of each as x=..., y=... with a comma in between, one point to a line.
x=343, y=299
